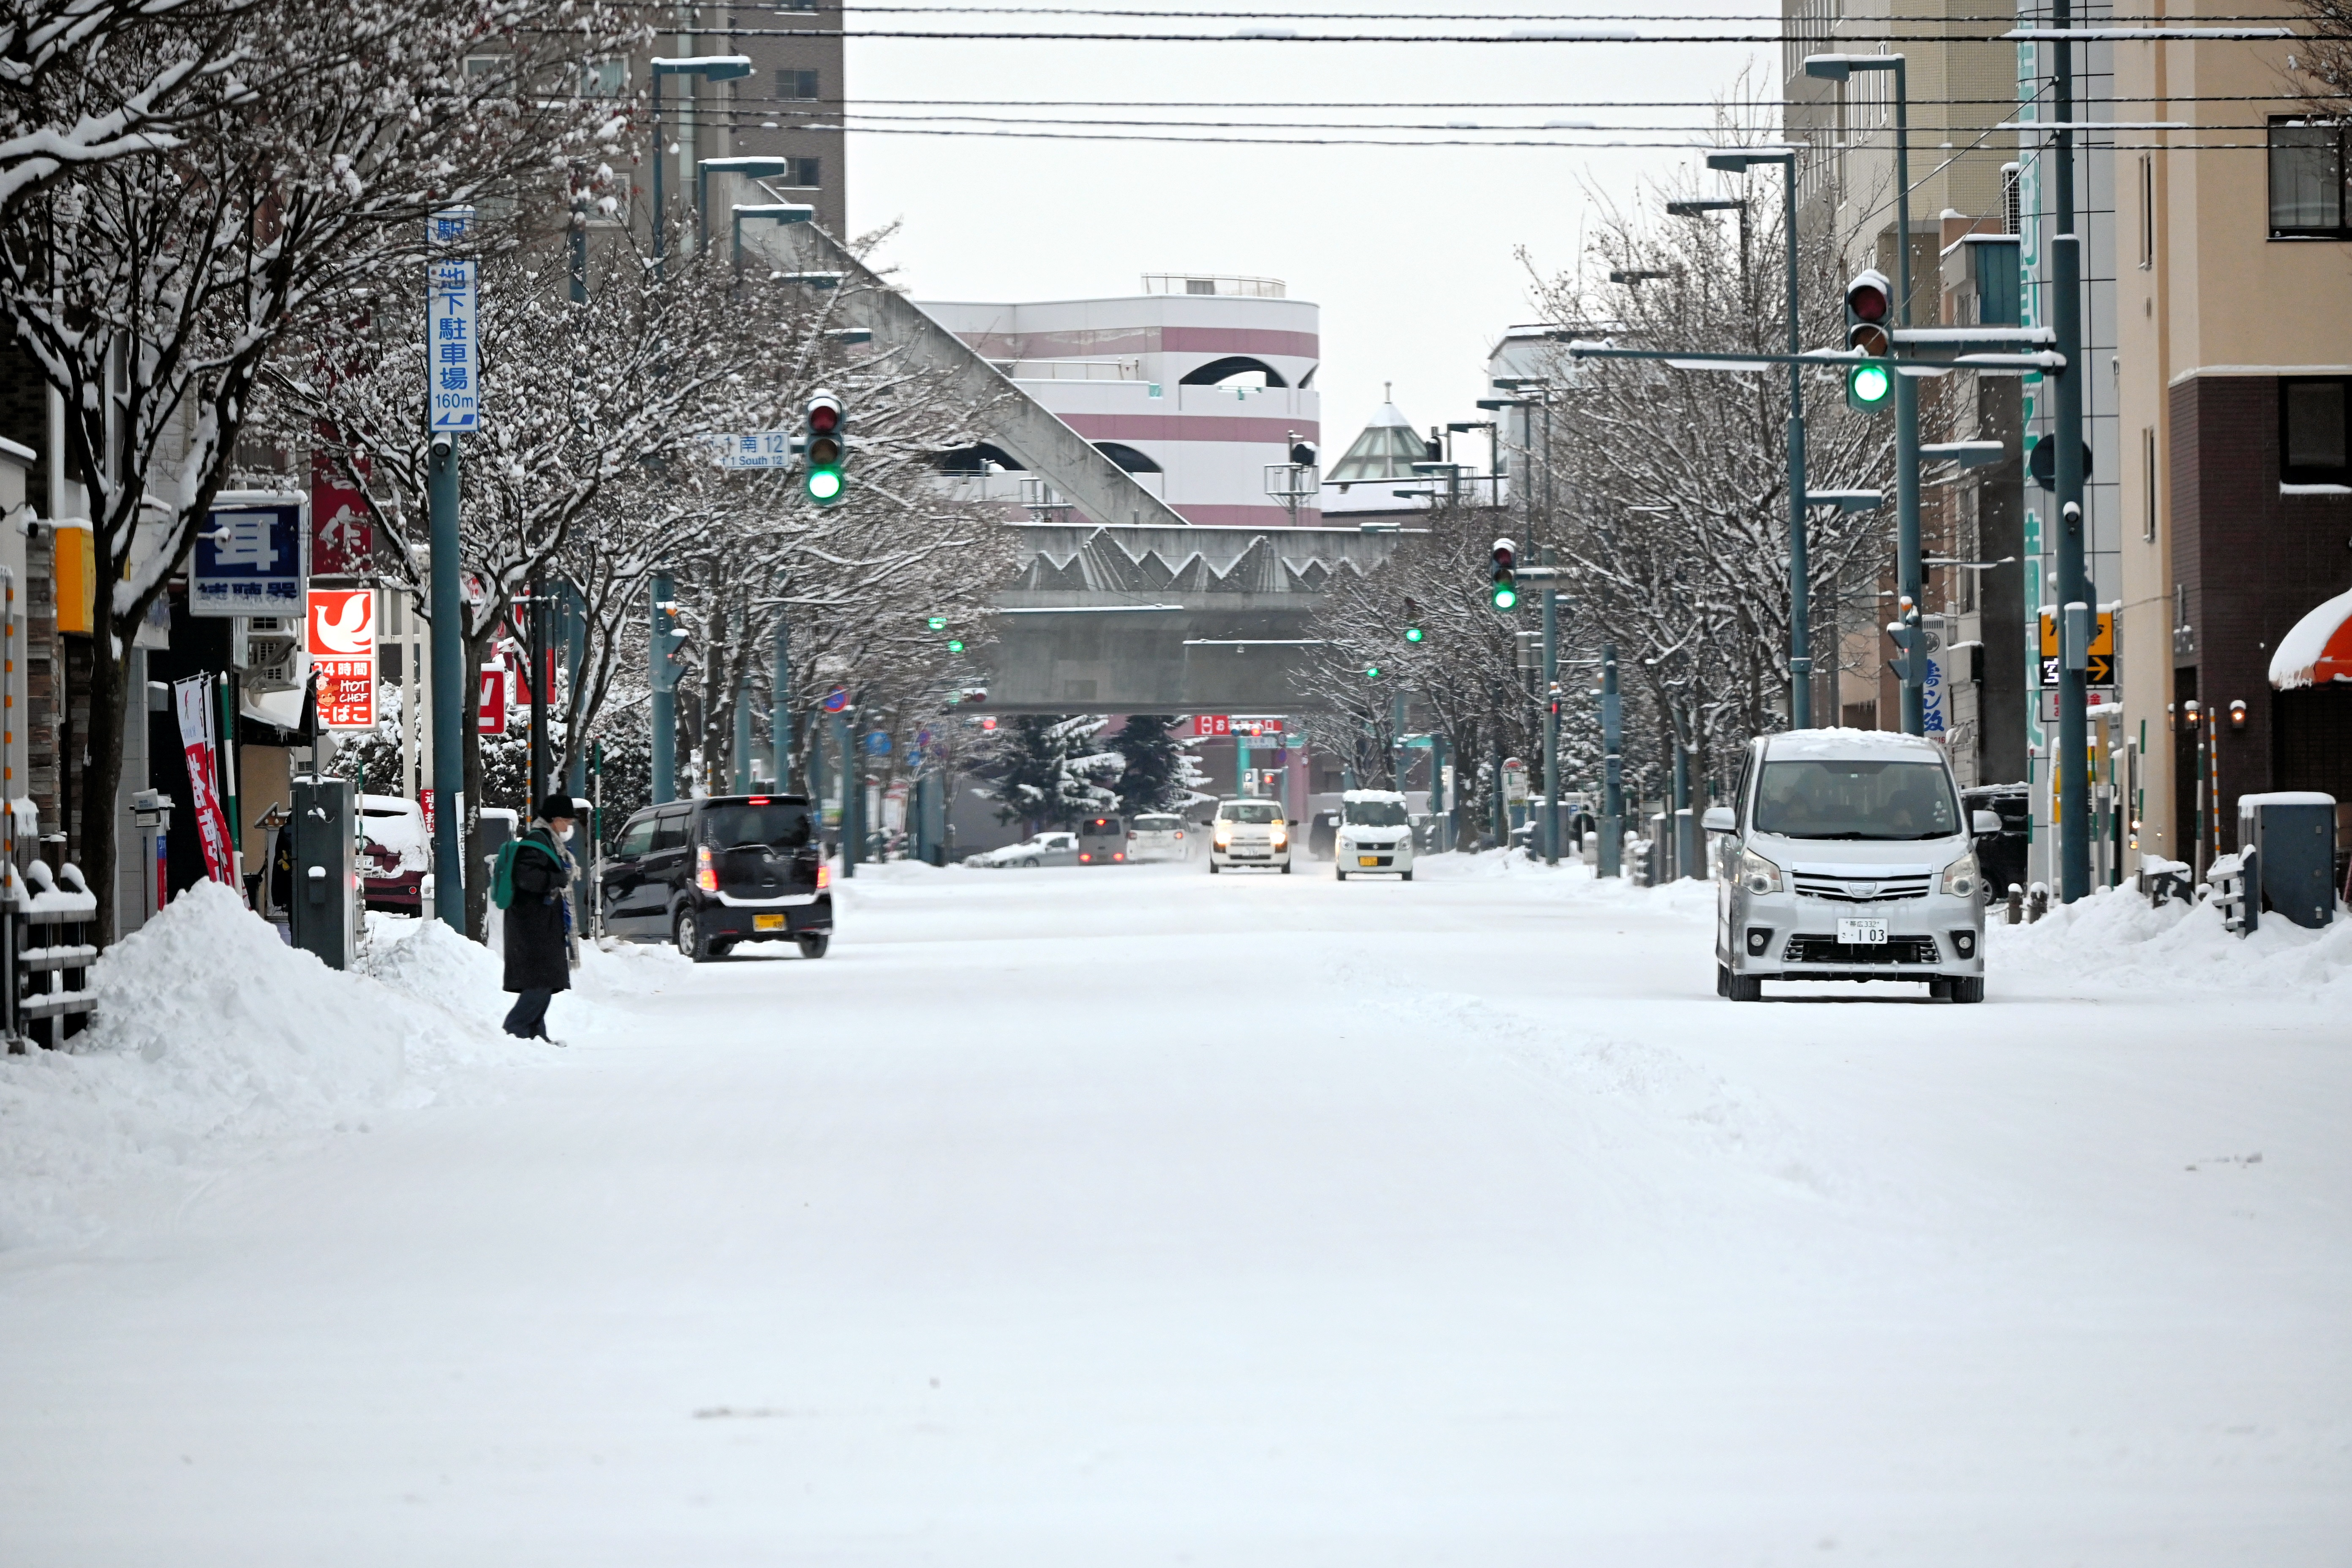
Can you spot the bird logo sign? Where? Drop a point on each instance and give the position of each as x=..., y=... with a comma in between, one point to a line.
x=341, y=645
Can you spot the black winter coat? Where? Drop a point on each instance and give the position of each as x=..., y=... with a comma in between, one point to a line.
x=539, y=957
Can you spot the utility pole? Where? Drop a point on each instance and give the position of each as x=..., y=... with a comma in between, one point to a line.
x=575, y=655
x=448, y=694
x=1607, y=858
x=841, y=745
x=663, y=705
x=543, y=693
x=2070, y=768
x=780, y=716
x=1551, y=719
x=742, y=748
x=1909, y=574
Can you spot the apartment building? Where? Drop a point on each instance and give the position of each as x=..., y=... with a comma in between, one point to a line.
x=2234, y=361
x=1197, y=387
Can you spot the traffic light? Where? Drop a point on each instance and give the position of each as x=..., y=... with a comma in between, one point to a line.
x=1372, y=672
x=937, y=623
x=1869, y=312
x=955, y=644
x=824, y=449
x=1506, y=592
x=1413, y=632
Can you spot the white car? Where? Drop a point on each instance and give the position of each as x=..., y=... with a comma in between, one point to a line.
x=1375, y=835
x=1851, y=857
x=1249, y=833
x=1044, y=850
x=1157, y=835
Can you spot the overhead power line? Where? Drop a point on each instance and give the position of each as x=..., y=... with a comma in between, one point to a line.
x=1526, y=36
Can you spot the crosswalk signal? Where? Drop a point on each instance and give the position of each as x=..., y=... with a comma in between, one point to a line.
x=1506, y=592
x=1869, y=311
x=1413, y=632
x=824, y=449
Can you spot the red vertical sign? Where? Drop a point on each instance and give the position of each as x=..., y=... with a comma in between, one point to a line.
x=194, y=698
x=491, y=719
x=341, y=640
x=343, y=537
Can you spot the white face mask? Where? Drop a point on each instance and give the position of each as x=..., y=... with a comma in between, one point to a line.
x=566, y=834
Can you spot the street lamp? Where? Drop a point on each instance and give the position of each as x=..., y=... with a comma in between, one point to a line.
x=709, y=67
x=1908, y=573
x=757, y=168
x=1630, y=275
x=1699, y=207
x=1801, y=600
x=778, y=213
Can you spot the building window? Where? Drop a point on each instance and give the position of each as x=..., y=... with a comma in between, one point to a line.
x=1127, y=456
x=803, y=173
x=605, y=79
x=2147, y=483
x=2307, y=172
x=796, y=86
x=2315, y=437
x=2146, y=211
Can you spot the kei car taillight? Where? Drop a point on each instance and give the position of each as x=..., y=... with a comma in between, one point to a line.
x=705, y=875
x=824, y=878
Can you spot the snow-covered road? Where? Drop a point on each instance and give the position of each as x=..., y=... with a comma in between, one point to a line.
x=1136, y=1216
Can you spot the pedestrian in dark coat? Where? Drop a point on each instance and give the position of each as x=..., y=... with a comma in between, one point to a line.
x=539, y=945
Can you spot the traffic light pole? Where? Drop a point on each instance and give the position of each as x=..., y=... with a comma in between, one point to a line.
x=1801, y=580
x=848, y=793
x=1607, y=858
x=1908, y=572
x=448, y=689
x=543, y=693
x=2070, y=763
x=1551, y=724
x=662, y=706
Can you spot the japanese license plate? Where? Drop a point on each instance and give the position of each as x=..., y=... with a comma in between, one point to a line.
x=1367, y=860
x=1862, y=934
x=776, y=922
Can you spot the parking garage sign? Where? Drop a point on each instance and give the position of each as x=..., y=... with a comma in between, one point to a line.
x=453, y=370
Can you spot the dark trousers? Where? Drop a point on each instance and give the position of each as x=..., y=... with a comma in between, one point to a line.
x=528, y=1017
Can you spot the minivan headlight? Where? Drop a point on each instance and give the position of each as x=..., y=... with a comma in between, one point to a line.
x=1961, y=878
x=1757, y=874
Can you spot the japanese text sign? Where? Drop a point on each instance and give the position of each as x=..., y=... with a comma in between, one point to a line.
x=340, y=637
x=248, y=559
x=452, y=363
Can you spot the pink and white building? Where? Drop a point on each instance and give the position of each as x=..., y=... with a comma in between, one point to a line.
x=1195, y=386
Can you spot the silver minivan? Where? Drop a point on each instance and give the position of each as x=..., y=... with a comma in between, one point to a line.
x=1846, y=854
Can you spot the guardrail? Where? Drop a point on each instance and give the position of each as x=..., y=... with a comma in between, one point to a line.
x=45, y=953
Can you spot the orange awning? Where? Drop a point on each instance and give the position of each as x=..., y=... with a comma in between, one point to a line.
x=2318, y=650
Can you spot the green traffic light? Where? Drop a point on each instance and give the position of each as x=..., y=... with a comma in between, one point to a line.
x=1868, y=386
x=937, y=623
x=824, y=486
x=1413, y=634
x=1372, y=672
x=955, y=644
x=1506, y=597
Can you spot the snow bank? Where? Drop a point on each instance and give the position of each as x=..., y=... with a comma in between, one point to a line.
x=213, y=1037
x=2115, y=940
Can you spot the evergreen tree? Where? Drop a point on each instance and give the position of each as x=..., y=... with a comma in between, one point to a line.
x=1154, y=777
x=1047, y=773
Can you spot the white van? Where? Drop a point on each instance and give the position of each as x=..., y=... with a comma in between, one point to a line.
x=1375, y=834
x=1157, y=835
x=1248, y=833
x=1848, y=856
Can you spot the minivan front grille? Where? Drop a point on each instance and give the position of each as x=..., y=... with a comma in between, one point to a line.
x=1861, y=890
x=1804, y=949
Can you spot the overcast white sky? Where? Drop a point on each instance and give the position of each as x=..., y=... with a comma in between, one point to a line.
x=1408, y=251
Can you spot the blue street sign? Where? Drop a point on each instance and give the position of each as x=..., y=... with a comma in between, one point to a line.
x=453, y=370
x=835, y=700
x=248, y=559
x=878, y=742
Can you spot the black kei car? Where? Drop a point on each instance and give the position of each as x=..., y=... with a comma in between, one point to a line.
x=708, y=873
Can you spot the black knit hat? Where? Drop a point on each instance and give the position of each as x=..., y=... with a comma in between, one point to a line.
x=557, y=806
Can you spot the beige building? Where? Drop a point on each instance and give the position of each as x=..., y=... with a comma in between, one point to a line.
x=2234, y=360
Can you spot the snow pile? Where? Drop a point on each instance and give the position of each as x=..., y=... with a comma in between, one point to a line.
x=2116, y=939
x=212, y=1034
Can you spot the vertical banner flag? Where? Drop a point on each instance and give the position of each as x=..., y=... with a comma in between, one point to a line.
x=341, y=636
x=490, y=718
x=194, y=698
x=452, y=367
x=342, y=539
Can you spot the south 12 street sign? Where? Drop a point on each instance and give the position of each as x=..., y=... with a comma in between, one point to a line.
x=453, y=370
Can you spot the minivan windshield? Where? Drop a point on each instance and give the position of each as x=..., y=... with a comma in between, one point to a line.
x=1250, y=811
x=776, y=825
x=1102, y=828
x=1375, y=813
x=1834, y=799
x=1156, y=824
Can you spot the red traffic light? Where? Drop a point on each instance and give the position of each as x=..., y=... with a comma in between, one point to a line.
x=824, y=413
x=1869, y=298
x=1507, y=555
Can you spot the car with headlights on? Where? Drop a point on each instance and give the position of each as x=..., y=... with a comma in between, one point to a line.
x=1847, y=854
x=1375, y=835
x=1249, y=833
